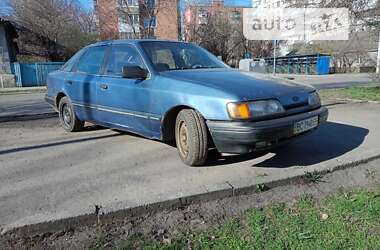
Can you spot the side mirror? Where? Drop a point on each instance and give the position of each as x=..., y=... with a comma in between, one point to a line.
x=134, y=72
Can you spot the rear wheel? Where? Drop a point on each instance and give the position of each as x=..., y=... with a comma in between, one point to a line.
x=67, y=117
x=191, y=137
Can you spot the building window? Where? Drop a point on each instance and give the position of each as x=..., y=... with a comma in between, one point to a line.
x=132, y=2
x=203, y=16
x=150, y=3
x=126, y=3
x=150, y=22
x=130, y=19
x=236, y=16
x=136, y=18
x=129, y=35
x=203, y=13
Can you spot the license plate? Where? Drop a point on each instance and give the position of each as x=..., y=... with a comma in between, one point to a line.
x=305, y=125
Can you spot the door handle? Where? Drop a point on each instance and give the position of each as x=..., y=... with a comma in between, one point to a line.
x=103, y=86
x=69, y=82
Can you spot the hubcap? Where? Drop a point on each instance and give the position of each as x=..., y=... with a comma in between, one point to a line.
x=183, y=139
x=66, y=114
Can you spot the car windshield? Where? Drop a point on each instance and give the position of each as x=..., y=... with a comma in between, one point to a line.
x=179, y=56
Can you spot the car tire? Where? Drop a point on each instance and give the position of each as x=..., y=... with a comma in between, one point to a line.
x=191, y=137
x=69, y=121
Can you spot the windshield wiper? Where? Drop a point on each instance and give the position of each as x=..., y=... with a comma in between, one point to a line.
x=179, y=68
x=205, y=67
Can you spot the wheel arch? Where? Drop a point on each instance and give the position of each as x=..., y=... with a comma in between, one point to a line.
x=168, y=122
x=60, y=95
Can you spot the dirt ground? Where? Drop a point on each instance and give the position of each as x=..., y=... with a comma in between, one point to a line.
x=162, y=226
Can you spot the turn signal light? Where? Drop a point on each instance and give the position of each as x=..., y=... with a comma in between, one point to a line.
x=239, y=110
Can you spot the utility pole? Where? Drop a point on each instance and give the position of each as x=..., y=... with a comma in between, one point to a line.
x=274, y=56
x=378, y=56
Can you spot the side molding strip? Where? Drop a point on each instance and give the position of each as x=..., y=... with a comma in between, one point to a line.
x=106, y=109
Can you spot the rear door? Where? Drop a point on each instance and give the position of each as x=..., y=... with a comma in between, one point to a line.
x=124, y=102
x=81, y=82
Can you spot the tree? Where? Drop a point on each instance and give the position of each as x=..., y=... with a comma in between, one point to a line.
x=58, y=25
x=140, y=16
x=221, y=32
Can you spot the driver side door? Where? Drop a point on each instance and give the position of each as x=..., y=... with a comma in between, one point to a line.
x=122, y=102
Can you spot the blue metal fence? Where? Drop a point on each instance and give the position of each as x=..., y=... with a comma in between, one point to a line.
x=297, y=64
x=33, y=74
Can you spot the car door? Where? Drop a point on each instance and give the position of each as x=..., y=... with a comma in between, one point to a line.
x=81, y=82
x=124, y=102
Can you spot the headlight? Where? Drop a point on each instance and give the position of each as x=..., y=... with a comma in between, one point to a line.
x=314, y=99
x=246, y=110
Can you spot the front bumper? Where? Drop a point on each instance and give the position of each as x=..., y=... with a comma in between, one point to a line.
x=245, y=137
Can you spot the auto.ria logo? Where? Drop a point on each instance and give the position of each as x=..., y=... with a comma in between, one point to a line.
x=298, y=24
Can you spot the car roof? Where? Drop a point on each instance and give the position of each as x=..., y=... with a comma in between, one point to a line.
x=131, y=41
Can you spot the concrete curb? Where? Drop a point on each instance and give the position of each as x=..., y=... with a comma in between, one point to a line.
x=99, y=217
x=22, y=90
x=336, y=101
x=356, y=100
x=28, y=117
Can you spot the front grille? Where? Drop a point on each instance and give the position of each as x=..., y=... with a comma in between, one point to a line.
x=295, y=105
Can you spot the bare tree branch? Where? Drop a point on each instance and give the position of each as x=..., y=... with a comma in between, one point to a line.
x=54, y=22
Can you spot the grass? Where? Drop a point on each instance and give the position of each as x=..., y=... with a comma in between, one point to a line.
x=357, y=93
x=343, y=221
x=314, y=176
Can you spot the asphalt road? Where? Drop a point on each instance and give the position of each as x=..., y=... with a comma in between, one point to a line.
x=48, y=174
x=330, y=81
x=23, y=106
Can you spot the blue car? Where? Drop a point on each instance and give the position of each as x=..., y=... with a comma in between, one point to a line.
x=176, y=91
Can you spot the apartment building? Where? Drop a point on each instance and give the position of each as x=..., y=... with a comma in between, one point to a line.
x=134, y=19
x=197, y=15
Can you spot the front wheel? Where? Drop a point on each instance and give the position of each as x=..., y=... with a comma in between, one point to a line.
x=191, y=137
x=67, y=117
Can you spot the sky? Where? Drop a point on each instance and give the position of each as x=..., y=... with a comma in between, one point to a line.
x=88, y=4
x=4, y=5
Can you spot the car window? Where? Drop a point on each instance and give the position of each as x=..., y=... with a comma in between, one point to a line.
x=120, y=56
x=163, y=57
x=179, y=56
x=68, y=66
x=190, y=57
x=92, y=60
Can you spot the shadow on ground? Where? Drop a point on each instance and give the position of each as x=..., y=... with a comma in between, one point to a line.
x=329, y=141
x=65, y=142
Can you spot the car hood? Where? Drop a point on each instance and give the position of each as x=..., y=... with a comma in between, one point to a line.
x=245, y=85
